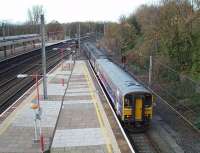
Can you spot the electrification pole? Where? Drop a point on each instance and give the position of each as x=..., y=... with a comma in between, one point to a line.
x=69, y=33
x=4, y=34
x=150, y=70
x=89, y=27
x=3, y=30
x=151, y=59
x=104, y=29
x=79, y=37
x=43, y=57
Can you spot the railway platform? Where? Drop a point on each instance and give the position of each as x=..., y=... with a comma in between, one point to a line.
x=73, y=118
x=24, y=49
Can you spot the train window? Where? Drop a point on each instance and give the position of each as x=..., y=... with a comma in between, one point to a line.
x=128, y=100
x=148, y=100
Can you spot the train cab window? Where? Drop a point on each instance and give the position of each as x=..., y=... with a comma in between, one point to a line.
x=148, y=100
x=127, y=101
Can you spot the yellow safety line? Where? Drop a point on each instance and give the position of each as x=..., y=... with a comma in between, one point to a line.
x=8, y=121
x=94, y=100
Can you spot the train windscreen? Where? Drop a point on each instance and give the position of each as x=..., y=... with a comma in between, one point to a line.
x=130, y=99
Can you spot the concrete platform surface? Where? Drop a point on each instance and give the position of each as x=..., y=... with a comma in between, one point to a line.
x=24, y=49
x=82, y=125
x=73, y=119
x=17, y=130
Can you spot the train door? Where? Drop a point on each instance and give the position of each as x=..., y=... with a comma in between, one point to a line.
x=138, y=109
x=128, y=106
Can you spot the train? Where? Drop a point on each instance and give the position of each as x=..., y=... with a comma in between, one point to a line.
x=132, y=102
x=18, y=37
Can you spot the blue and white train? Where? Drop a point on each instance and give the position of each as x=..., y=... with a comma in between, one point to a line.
x=131, y=101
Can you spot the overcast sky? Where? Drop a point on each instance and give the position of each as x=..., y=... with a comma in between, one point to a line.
x=70, y=10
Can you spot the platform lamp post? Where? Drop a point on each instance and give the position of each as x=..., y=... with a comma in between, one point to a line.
x=38, y=135
x=43, y=57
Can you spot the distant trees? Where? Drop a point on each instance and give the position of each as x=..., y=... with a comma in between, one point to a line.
x=15, y=29
x=170, y=30
x=127, y=35
x=55, y=30
x=71, y=29
x=33, y=15
x=112, y=37
x=28, y=27
x=176, y=32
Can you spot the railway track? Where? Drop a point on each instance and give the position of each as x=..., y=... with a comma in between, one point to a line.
x=142, y=143
x=11, y=88
x=184, y=134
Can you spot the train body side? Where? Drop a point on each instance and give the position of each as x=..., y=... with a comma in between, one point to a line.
x=131, y=101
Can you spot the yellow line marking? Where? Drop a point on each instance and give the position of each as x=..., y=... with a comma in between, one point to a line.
x=8, y=121
x=10, y=118
x=99, y=116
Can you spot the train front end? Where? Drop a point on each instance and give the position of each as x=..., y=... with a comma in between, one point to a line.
x=137, y=110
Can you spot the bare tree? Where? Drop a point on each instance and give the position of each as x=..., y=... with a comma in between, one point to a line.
x=30, y=17
x=34, y=14
x=34, y=17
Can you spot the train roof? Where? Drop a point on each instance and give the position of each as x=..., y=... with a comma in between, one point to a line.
x=124, y=82
x=94, y=51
